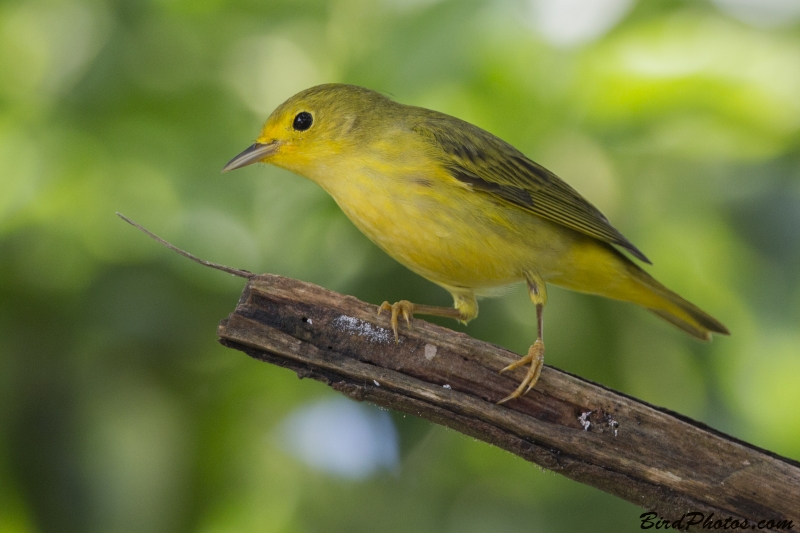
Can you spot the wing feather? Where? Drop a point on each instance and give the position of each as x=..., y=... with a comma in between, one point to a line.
x=492, y=166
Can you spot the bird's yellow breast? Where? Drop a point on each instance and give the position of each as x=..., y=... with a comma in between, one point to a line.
x=440, y=228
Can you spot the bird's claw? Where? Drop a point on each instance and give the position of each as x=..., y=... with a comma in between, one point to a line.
x=402, y=308
x=536, y=358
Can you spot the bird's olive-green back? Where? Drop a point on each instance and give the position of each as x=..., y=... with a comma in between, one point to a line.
x=492, y=166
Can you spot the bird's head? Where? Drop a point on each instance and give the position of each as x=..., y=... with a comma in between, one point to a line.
x=304, y=132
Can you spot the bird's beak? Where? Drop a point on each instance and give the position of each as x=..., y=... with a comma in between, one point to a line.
x=252, y=154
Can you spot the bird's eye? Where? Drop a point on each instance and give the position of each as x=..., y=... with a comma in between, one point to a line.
x=303, y=121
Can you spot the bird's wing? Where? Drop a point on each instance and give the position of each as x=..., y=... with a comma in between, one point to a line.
x=492, y=166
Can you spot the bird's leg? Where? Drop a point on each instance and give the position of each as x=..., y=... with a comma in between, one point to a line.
x=465, y=309
x=538, y=295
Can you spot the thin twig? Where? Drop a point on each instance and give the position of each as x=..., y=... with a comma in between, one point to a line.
x=230, y=270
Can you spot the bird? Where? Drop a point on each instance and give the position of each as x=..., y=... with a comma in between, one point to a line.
x=461, y=208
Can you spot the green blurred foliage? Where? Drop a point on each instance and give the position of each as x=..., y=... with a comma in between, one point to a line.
x=119, y=411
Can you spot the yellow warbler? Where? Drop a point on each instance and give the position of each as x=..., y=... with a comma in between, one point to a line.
x=459, y=207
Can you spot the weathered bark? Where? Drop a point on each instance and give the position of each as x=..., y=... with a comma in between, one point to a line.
x=649, y=456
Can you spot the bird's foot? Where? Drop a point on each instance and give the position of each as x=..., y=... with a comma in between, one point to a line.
x=536, y=358
x=402, y=308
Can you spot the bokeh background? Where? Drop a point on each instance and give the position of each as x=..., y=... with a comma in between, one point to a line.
x=119, y=412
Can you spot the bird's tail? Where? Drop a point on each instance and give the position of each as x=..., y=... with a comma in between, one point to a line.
x=680, y=312
x=615, y=276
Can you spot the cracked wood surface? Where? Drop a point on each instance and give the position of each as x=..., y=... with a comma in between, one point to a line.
x=650, y=456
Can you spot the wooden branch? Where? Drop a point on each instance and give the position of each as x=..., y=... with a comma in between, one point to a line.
x=647, y=455
x=652, y=457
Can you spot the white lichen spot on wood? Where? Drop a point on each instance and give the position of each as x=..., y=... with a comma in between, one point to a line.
x=363, y=329
x=584, y=420
x=446, y=386
x=612, y=423
x=430, y=351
